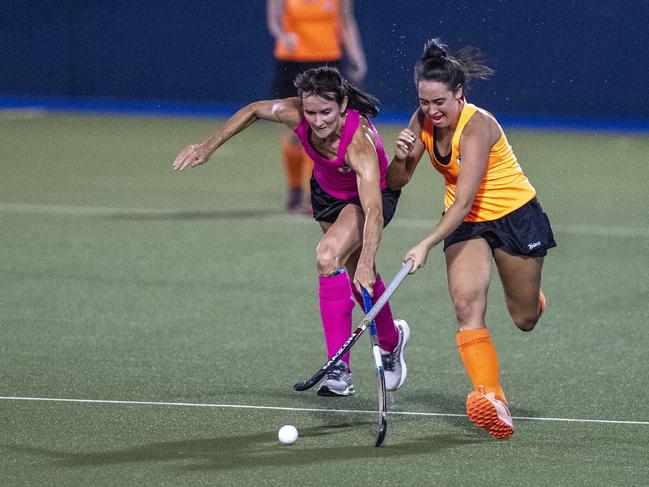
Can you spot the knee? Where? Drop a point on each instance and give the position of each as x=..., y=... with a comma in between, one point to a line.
x=327, y=260
x=525, y=322
x=468, y=311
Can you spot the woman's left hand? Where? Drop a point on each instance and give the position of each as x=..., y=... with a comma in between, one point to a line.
x=418, y=254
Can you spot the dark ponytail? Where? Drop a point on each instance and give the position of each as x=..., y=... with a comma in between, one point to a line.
x=326, y=82
x=436, y=64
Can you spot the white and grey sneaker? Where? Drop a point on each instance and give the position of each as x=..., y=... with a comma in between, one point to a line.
x=337, y=382
x=394, y=363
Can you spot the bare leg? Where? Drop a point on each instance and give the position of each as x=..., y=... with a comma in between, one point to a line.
x=521, y=280
x=468, y=266
x=340, y=240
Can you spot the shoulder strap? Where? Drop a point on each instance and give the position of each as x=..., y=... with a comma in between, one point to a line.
x=351, y=124
x=467, y=112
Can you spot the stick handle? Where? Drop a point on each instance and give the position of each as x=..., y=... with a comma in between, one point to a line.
x=367, y=307
x=389, y=291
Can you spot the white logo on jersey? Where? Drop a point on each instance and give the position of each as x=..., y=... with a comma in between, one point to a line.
x=344, y=169
x=533, y=245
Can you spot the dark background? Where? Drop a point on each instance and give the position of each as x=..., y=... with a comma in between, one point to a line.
x=554, y=59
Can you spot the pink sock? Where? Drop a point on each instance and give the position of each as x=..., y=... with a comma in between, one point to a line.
x=336, y=305
x=387, y=332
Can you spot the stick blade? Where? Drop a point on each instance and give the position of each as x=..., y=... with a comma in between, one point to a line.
x=383, y=408
x=303, y=386
x=383, y=429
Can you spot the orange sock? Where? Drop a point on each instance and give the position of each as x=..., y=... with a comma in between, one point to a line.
x=293, y=155
x=541, y=303
x=480, y=360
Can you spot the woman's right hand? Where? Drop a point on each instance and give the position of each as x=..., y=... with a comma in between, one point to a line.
x=193, y=155
x=404, y=144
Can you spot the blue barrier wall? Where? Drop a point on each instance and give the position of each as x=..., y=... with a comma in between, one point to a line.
x=553, y=59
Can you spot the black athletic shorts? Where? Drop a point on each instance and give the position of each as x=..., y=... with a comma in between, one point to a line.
x=326, y=208
x=525, y=231
x=286, y=71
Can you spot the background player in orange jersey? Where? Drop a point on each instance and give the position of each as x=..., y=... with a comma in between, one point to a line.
x=491, y=214
x=310, y=33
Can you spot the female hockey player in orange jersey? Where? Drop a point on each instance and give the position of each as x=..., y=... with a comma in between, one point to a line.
x=491, y=215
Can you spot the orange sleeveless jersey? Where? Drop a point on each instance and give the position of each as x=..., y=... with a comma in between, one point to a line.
x=504, y=187
x=316, y=24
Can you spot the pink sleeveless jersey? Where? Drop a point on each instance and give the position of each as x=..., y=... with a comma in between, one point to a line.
x=334, y=175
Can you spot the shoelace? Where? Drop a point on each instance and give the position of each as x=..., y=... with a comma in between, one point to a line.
x=336, y=373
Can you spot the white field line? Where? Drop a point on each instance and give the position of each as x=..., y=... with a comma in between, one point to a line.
x=422, y=223
x=308, y=410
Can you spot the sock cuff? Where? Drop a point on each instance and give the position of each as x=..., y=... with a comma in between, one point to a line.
x=464, y=337
x=336, y=286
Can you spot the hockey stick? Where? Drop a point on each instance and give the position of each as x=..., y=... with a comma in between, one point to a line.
x=317, y=377
x=380, y=373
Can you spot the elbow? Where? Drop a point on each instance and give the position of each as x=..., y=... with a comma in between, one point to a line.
x=463, y=206
x=396, y=182
x=405, y=179
x=402, y=182
x=253, y=110
x=394, y=186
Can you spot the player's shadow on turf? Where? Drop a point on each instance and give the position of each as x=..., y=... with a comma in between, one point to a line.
x=447, y=408
x=197, y=215
x=420, y=400
x=251, y=451
x=441, y=403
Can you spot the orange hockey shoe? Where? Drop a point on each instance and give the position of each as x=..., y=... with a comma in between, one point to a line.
x=487, y=412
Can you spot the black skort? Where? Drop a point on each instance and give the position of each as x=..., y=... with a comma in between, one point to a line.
x=326, y=208
x=525, y=231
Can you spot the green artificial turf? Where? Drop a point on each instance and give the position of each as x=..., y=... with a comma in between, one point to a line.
x=186, y=305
